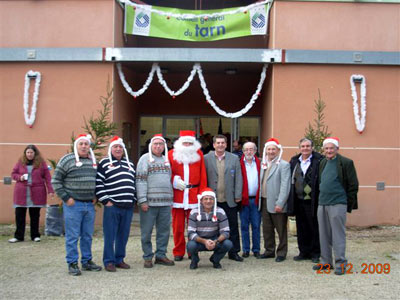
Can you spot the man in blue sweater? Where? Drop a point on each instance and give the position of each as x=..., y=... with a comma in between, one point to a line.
x=115, y=189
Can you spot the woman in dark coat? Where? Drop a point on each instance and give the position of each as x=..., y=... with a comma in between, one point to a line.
x=33, y=183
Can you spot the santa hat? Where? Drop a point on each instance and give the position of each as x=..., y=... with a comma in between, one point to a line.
x=271, y=142
x=86, y=137
x=334, y=140
x=159, y=137
x=187, y=136
x=207, y=192
x=116, y=140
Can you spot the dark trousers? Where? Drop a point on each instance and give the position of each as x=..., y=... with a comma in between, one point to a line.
x=307, y=230
x=272, y=222
x=232, y=214
x=20, y=221
x=220, y=250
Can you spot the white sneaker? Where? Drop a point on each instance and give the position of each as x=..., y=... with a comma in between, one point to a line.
x=14, y=240
x=36, y=239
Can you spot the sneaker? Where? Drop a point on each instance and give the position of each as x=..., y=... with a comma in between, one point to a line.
x=36, y=239
x=322, y=267
x=91, y=266
x=14, y=240
x=73, y=269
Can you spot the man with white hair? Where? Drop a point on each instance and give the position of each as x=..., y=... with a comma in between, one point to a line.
x=155, y=197
x=188, y=178
x=74, y=181
x=115, y=189
x=274, y=191
x=338, y=188
x=249, y=214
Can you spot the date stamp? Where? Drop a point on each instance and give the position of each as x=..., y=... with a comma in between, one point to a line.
x=366, y=268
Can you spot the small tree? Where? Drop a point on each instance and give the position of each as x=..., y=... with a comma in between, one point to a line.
x=318, y=131
x=100, y=126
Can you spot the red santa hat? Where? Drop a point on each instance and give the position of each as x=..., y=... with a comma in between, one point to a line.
x=187, y=136
x=271, y=142
x=207, y=192
x=158, y=136
x=116, y=140
x=334, y=140
x=86, y=137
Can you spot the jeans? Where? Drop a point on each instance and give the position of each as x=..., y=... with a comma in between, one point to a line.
x=79, y=226
x=220, y=250
x=161, y=217
x=116, y=227
x=250, y=215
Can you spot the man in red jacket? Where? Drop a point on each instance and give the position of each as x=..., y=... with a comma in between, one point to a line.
x=188, y=178
x=249, y=214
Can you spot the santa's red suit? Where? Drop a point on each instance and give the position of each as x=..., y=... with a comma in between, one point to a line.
x=187, y=168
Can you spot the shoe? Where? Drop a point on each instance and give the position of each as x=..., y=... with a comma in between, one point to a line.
x=91, y=266
x=110, y=268
x=123, y=265
x=256, y=254
x=148, y=264
x=280, y=258
x=315, y=260
x=235, y=257
x=178, y=258
x=164, y=261
x=264, y=256
x=217, y=266
x=36, y=239
x=14, y=240
x=322, y=267
x=300, y=258
x=193, y=265
x=340, y=271
x=245, y=254
x=73, y=269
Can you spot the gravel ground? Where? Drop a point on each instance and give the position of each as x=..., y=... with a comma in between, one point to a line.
x=38, y=270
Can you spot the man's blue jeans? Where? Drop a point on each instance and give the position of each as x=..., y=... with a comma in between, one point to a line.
x=116, y=227
x=79, y=226
x=193, y=248
x=250, y=215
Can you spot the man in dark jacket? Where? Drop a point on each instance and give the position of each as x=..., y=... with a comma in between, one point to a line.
x=338, y=193
x=303, y=200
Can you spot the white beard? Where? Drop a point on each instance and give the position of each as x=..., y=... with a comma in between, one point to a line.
x=186, y=154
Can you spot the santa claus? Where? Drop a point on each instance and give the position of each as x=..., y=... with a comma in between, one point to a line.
x=188, y=178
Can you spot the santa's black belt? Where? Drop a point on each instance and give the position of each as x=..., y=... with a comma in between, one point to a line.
x=190, y=186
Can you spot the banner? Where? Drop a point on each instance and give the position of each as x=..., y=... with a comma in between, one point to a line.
x=195, y=25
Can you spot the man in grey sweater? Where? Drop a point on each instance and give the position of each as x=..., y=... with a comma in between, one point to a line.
x=155, y=197
x=74, y=181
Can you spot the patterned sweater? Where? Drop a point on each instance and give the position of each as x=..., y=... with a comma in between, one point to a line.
x=206, y=228
x=153, y=182
x=116, y=184
x=70, y=181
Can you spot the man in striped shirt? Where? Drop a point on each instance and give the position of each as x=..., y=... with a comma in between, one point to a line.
x=208, y=230
x=115, y=189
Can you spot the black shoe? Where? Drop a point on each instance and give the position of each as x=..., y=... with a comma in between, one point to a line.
x=280, y=258
x=178, y=258
x=235, y=257
x=300, y=258
x=91, y=266
x=256, y=254
x=322, y=267
x=245, y=254
x=217, y=266
x=193, y=265
x=340, y=271
x=315, y=259
x=264, y=256
x=73, y=269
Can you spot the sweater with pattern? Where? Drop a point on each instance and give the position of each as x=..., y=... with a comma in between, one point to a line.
x=116, y=182
x=153, y=182
x=70, y=181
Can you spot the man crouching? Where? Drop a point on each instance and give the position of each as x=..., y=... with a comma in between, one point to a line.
x=208, y=230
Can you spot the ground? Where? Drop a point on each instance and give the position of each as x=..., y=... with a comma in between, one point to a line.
x=38, y=270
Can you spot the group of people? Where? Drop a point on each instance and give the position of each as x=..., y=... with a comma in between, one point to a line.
x=202, y=194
